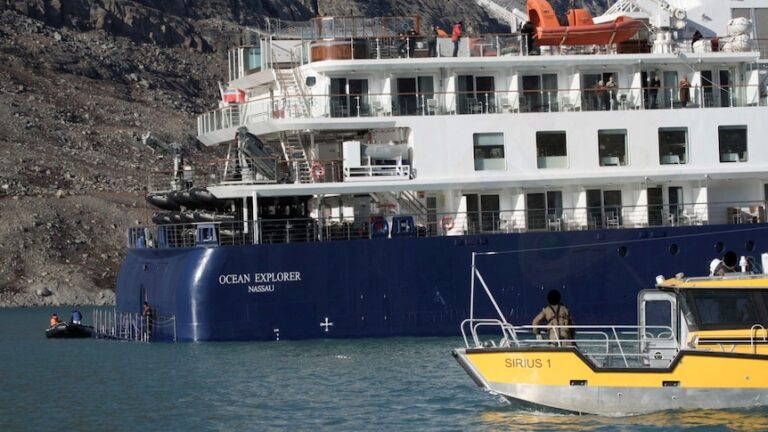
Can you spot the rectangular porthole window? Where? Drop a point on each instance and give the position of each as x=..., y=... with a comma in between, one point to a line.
x=489, y=151
x=673, y=146
x=551, y=150
x=733, y=143
x=612, y=147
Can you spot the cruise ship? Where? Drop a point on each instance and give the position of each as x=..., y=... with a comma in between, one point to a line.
x=367, y=160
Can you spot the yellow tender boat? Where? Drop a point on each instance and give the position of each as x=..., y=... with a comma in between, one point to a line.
x=698, y=343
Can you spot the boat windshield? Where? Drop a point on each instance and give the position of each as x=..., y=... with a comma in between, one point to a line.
x=727, y=309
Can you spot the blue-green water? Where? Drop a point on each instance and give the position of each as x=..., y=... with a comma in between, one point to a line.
x=404, y=384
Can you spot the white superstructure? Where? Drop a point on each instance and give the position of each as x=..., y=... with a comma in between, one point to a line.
x=497, y=139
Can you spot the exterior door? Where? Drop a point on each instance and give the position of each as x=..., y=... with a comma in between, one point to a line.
x=658, y=327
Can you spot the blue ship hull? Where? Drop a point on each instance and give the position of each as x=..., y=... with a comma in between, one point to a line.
x=411, y=286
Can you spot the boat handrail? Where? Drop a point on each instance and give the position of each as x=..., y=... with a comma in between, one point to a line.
x=591, y=340
x=754, y=330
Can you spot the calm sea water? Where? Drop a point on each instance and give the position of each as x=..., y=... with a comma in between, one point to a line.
x=403, y=384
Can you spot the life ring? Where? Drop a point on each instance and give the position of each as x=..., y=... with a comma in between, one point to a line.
x=380, y=227
x=447, y=223
x=317, y=171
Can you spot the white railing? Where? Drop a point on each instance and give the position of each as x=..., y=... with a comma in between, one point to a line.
x=377, y=173
x=110, y=324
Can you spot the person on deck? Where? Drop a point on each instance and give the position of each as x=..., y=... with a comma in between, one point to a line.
x=432, y=41
x=610, y=93
x=555, y=315
x=456, y=37
x=146, y=311
x=653, y=91
x=685, y=91
x=527, y=31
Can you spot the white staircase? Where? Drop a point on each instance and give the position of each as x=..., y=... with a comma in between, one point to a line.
x=295, y=154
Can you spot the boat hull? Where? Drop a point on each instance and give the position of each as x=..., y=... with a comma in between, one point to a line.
x=65, y=330
x=410, y=286
x=562, y=379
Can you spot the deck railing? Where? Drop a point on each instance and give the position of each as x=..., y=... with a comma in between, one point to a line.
x=605, y=346
x=481, y=102
x=222, y=230
x=111, y=324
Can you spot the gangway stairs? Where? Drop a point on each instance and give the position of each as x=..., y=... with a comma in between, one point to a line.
x=295, y=153
x=110, y=324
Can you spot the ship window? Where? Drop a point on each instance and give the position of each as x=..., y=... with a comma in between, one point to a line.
x=539, y=93
x=673, y=146
x=482, y=213
x=489, y=151
x=544, y=210
x=551, y=150
x=413, y=95
x=604, y=209
x=733, y=143
x=349, y=97
x=476, y=94
x=612, y=147
x=726, y=308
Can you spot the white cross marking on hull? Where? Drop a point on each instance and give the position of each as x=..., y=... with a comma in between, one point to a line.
x=326, y=324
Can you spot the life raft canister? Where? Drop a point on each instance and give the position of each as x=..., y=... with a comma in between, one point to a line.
x=447, y=223
x=317, y=171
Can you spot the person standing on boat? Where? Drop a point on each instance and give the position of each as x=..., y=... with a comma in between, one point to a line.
x=148, y=315
x=527, y=30
x=685, y=92
x=696, y=37
x=653, y=92
x=412, y=35
x=432, y=41
x=456, y=37
x=610, y=96
x=600, y=95
x=555, y=315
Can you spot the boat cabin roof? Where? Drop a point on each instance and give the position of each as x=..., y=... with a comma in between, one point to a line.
x=729, y=281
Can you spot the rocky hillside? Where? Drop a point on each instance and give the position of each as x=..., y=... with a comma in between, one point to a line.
x=81, y=81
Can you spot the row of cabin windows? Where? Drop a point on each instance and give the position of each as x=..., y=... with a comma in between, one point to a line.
x=604, y=208
x=551, y=149
x=537, y=93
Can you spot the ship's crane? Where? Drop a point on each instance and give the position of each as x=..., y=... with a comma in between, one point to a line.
x=661, y=13
x=514, y=17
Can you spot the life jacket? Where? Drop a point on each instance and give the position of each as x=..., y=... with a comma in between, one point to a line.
x=456, y=34
x=560, y=317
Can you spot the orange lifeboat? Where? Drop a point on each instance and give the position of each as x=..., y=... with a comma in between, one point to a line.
x=581, y=30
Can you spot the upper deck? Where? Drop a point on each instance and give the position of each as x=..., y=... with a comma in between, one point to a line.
x=368, y=70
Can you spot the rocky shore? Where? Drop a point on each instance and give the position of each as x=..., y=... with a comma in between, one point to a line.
x=81, y=81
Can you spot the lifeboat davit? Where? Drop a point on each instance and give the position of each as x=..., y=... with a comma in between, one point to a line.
x=581, y=30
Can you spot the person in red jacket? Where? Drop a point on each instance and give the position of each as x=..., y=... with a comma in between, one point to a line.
x=456, y=37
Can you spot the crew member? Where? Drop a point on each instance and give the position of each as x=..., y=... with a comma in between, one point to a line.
x=555, y=315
